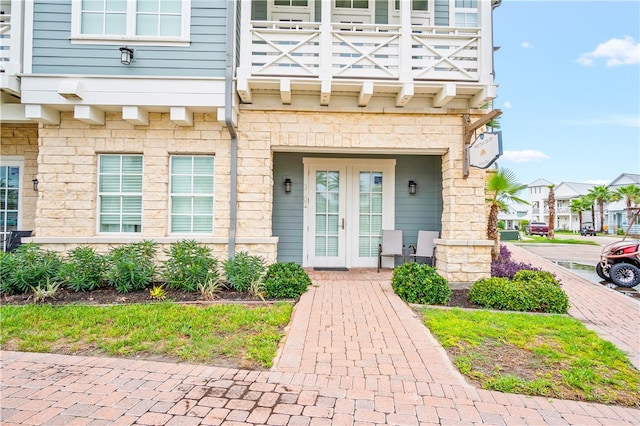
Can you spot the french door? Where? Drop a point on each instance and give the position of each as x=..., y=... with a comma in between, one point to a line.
x=10, y=178
x=347, y=204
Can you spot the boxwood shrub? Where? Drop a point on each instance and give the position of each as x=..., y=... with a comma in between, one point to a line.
x=529, y=291
x=420, y=283
x=285, y=281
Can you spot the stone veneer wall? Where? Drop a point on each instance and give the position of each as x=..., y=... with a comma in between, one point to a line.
x=67, y=214
x=21, y=140
x=464, y=254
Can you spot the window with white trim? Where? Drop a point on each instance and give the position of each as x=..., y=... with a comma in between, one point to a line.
x=120, y=193
x=466, y=13
x=191, y=194
x=131, y=20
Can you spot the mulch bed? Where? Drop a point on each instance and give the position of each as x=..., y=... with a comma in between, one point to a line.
x=109, y=296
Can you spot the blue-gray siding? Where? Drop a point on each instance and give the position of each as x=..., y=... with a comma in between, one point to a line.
x=53, y=52
x=412, y=212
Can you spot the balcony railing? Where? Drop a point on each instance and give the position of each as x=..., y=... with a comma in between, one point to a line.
x=10, y=44
x=364, y=51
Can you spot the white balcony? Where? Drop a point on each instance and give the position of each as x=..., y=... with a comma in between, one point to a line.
x=10, y=45
x=435, y=62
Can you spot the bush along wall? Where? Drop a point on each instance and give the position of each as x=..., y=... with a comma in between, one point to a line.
x=419, y=283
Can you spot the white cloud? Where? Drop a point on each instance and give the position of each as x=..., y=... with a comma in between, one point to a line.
x=507, y=104
x=526, y=45
x=613, y=120
x=524, y=156
x=617, y=51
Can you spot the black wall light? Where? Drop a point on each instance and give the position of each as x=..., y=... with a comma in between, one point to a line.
x=35, y=184
x=413, y=186
x=287, y=185
x=126, y=55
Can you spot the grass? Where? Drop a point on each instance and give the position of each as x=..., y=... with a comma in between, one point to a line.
x=545, y=355
x=538, y=239
x=232, y=335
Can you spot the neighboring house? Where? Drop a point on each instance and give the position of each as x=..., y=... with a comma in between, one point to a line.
x=538, y=200
x=617, y=215
x=515, y=213
x=564, y=193
x=288, y=129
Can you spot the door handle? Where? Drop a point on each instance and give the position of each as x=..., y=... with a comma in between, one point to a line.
x=343, y=223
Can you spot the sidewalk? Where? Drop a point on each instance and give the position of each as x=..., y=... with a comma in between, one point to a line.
x=354, y=354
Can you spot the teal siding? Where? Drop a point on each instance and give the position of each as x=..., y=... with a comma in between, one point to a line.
x=53, y=52
x=287, y=208
x=422, y=211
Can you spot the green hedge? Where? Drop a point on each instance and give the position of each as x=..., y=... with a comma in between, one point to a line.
x=420, y=283
x=285, y=281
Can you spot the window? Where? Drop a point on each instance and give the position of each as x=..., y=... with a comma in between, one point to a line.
x=352, y=4
x=120, y=193
x=466, y=13
x=10, y=178
x=191, y=194
x=415, y=5
x=131, y=20
x=300, y=3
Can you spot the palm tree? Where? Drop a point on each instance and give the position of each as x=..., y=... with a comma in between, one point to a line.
x=601, y=194
x=579, y=205
x=501, y=188
x=552, y=212
x=631, y=193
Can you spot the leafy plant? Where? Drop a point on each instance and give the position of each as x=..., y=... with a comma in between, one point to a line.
x=211, y=288
x=189, y=266
x=131, y=266
x=28, y=266
x=420, y=283
x=285, y=281
x=82, y=269
x=504, y=266
x=531, y=291
x=157, y=292
x=48, y=291
x=244, y=270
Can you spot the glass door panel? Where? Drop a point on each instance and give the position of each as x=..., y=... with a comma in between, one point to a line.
x=9, y=201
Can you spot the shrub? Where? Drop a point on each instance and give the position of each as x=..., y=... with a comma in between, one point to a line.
x=28, y=267
x=243, y=271
x=285, y=281
x=82, y=269
x=531, y=291
x=47, y=291
x=130, y=267
x=420, y=283
x=505, y=267
x=189, y=266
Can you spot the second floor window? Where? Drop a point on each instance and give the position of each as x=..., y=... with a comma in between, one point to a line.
x=136, y=20
x=466, y=13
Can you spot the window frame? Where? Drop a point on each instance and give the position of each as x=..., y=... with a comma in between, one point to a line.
x=121, y=194
x=192, y=195
x=466, y=11
x=14, y=161
x=130, y=37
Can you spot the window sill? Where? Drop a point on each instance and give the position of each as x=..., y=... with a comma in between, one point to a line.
x=131, y=41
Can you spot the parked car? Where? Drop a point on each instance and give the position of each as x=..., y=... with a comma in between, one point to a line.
x=537, y=228
x=588, y=229
x=620, y=263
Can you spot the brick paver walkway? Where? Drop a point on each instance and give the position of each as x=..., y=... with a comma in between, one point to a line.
x=354, y=354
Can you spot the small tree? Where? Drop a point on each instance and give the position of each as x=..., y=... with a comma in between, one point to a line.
x=631, y=194
x=579, y=205
x=552, y=212
x=501, y=188
x=601, y=194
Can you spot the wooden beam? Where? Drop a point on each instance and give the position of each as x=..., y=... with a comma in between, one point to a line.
x=181, y=115
x=468, y=129
x=444, y=95
x=285, y=91
x=135, y=115
x=244, y=90
x=404, y=95
x=88, y=114
x=325, y=92
x=365, y=93
x=42, y=114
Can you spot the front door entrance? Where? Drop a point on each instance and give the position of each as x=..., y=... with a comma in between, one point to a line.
x=347, y=204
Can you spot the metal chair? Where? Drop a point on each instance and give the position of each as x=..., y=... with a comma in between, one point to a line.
x=391, y=246
x=15, y=239
x=425, y=247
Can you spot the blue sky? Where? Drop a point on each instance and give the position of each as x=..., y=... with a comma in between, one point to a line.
x=569, y=89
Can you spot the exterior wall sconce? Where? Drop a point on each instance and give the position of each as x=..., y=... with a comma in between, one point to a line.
x=413, y=186
x=35, y=184
x=126, y=55
x=287, y=185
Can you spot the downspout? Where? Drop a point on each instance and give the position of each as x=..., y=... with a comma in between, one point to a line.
x=228, y=118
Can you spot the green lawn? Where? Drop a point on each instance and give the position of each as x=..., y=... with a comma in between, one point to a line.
x=533, y=354
x=230, y=335
x=538, y=239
